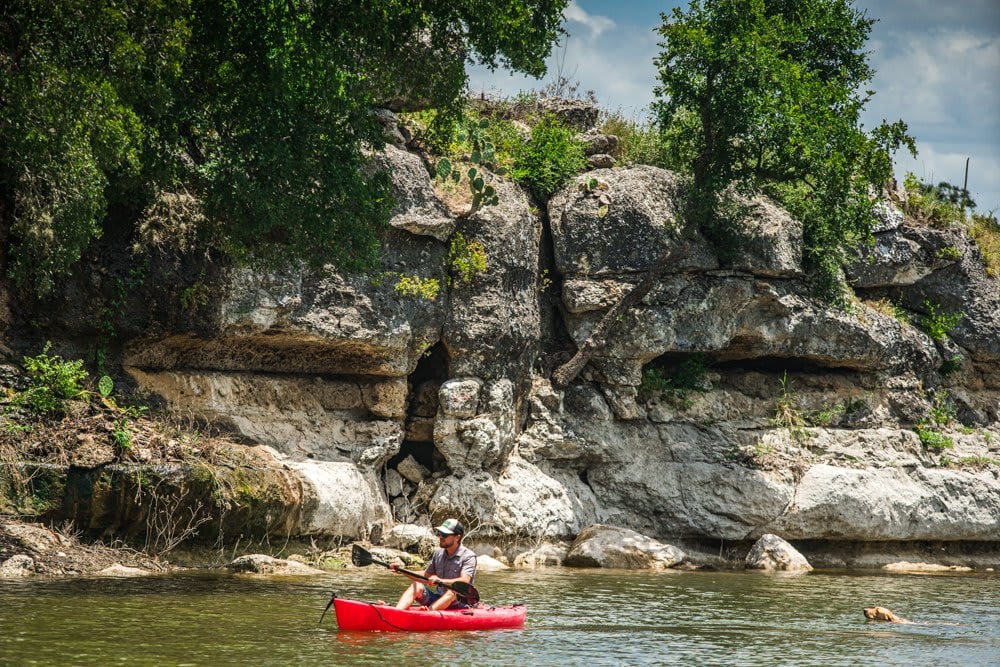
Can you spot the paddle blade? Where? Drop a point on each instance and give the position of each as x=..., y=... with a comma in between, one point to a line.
x=328, y=605
x=360, y=557
x=466, y=592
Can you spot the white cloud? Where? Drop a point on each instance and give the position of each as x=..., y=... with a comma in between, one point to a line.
x=597, y=24
x=943, y=83
x=946, y=76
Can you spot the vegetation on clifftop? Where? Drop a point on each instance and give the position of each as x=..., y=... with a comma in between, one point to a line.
x=759, y=95
x=261, y=111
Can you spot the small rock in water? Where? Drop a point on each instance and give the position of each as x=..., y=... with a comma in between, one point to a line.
x=905, y=566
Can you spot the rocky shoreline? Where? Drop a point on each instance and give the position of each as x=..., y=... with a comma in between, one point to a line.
x=32, y=550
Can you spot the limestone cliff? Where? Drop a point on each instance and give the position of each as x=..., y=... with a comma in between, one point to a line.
x=805, y=423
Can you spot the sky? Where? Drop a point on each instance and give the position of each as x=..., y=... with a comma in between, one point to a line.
x=937, y=66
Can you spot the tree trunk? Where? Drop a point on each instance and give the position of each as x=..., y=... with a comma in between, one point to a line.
x=598, y=338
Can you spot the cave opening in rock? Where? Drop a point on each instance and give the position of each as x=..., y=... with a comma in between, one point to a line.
x=418, y=459
x=776, y=365
x=422, y=405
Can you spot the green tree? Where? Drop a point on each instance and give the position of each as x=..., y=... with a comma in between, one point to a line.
x=767, y=95
x=259, y=110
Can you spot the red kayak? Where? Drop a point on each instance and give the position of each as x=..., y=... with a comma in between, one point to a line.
x=355, y=615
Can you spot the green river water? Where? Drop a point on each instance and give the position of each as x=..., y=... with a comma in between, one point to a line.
x=575, y=617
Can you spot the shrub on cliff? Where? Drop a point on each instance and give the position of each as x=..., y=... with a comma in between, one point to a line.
x=260, y=110
x=549, y=158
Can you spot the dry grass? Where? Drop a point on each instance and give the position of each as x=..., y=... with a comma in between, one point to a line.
x=986, y=231
x=887, y=307
x=457, y=197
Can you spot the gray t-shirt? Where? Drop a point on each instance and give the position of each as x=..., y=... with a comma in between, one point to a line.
x=463, y=561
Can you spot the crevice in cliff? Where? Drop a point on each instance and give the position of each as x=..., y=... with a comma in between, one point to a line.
x=557, y=345
x=418, y=462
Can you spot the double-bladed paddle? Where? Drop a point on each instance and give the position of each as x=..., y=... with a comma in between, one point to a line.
x=362, y=557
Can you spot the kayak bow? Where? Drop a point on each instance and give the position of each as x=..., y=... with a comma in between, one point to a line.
x=357, y=615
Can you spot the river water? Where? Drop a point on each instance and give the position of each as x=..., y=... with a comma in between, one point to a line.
x=575, y=617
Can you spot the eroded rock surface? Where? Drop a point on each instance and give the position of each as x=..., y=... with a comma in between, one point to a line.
x=806, y=420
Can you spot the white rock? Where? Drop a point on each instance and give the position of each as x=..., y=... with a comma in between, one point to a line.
x=600, y=545
x=264, y=564
x=18, y=565
x=772, y=553
x=346, y=501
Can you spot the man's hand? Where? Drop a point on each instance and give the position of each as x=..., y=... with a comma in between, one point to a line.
x=434, y=580
x=394, y=567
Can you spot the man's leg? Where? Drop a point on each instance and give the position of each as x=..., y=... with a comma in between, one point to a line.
x=413, y=592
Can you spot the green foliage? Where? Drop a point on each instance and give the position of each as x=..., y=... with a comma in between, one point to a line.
x=937, y=206
x=941, y=415
x=466, y=259
x=677, y=383
x=942, y=411
x=53, y=382
x=938, y=324
x=66, y=126
x=934, y=441
x=891, y=309
x=122, y=434
x=473, y=135
x=949, y=254
x=194, y=296
x=259, y=113
x=951, y=365
x=424, y=288
x=828, y=416
x=550, y=158
x=769, y=95
x=105, y=386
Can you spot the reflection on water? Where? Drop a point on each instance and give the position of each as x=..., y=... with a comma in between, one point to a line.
x=591, y=617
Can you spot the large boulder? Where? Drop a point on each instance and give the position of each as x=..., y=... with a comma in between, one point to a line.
x=922, y=268
x=520, y=500
x=892, y=504
x=264, y=564
x=418, y=209
x=340, y=500
x=358, y=420
x=642, y=222
x=493, y=325
x=18, y=565
x=736, y=317
x=610, y=546
x=475, y=432
x=772, y=553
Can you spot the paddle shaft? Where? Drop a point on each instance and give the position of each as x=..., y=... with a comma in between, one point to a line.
x=459, y=587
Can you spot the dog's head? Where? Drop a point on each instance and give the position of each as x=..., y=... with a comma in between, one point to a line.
x=878, y=613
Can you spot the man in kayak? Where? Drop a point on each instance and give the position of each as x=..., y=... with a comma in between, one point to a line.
x=450, y=563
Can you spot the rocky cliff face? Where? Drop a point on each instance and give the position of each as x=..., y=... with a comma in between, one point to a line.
x=805, y=424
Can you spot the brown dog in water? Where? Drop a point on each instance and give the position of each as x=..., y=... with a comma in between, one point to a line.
x=883, y=614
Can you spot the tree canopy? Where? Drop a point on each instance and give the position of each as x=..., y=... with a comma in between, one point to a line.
x=259, y=112
x=767, y=94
